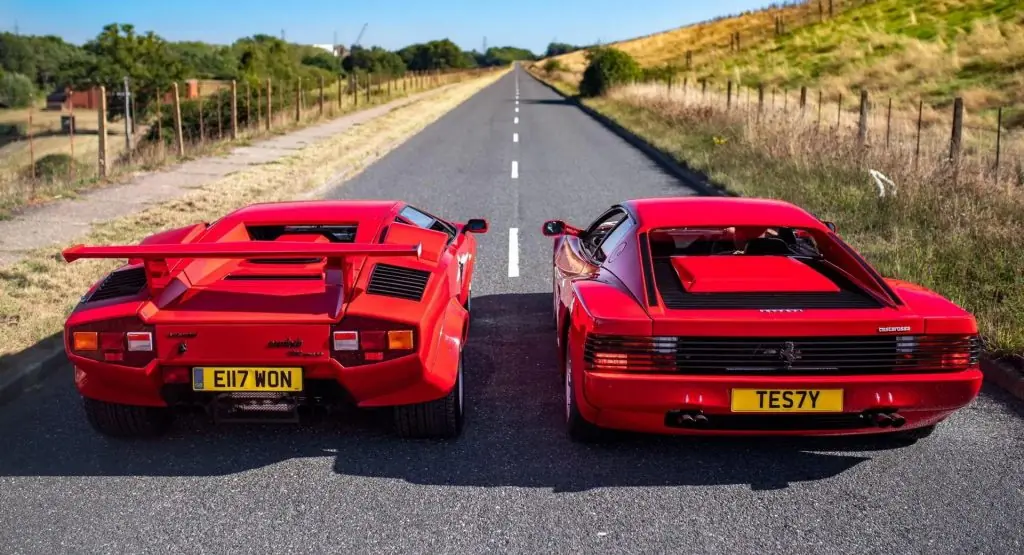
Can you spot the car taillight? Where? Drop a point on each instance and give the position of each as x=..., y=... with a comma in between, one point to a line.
x=374, y=341
x=630, y=354
x=123, y=341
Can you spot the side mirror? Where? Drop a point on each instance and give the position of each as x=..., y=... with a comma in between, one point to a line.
x=831, y=226
x=475, y=225
x=554, y=228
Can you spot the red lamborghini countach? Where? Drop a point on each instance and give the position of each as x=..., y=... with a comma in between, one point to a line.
x=277, y=308
x=747, y=316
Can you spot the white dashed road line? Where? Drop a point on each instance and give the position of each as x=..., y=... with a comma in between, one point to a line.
x=515, y=169
x=515, y=137
x=517, y=109
x=516, y=121
x=513, y=252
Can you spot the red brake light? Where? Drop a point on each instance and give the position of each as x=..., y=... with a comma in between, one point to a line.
x=125, y=341
x=375, y=341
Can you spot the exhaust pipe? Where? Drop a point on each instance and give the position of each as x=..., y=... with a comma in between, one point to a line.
x=687, y=420
x=882, y=420
x=898, y=421
x=701, y=420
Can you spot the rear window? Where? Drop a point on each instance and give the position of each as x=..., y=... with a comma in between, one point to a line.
x=718, y=241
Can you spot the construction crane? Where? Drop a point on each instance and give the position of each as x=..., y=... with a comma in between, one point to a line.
x=360, y=37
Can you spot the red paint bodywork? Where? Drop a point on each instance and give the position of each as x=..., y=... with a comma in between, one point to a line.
x=207, y=288
x=613, y=298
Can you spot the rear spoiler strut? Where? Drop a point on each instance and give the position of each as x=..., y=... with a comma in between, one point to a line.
x=158, y=276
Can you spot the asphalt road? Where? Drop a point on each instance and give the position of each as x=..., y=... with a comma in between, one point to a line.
x=513, y=482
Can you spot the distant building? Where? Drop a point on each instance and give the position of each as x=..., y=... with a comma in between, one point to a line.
x=336, y=49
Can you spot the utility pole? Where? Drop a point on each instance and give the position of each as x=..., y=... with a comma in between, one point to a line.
x=282, y=34
x=127, y=118
x=484, y=51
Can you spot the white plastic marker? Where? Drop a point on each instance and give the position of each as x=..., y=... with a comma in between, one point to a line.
x=515, y=137
x=515, y=169
x=513, y=252
x=515, y=121
x=517, y=109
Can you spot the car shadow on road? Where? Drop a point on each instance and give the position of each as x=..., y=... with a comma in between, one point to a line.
x=514, y=434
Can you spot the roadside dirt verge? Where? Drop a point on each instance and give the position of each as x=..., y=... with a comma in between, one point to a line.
x=38, y=291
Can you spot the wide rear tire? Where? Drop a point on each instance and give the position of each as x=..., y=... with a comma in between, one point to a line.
x=126, y=420
x=440, y=419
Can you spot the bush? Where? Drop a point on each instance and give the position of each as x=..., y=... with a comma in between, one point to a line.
x=16, y=90
x=552, y=66
x=607, y=67
x=53, y=166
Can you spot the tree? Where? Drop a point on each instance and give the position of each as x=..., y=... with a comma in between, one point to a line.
x=16, y=90
x=606, y=68
x=559, y=48
x=504, y=55
x=323, y=60
x=436, y=54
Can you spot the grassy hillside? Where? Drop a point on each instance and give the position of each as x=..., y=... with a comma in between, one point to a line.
x=908, y=49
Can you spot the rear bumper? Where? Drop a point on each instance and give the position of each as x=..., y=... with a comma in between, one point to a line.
x=658, y=403
x=400, y=381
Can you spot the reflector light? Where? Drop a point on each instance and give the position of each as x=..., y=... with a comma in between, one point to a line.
x=85, y=341
x=114, y=356
x=376, y=355
x=346, y=341
x=400, y=339
x=372, y=341
x=140, y=341
x=112, y=341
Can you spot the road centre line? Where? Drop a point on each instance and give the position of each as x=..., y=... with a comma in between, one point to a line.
x=515, y=137
x=515, y=169
x=516, y=121
x=513, y=252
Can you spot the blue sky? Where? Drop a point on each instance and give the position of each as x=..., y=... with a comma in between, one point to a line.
x=392, y=23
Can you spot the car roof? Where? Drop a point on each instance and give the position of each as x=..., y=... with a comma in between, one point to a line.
x=316, y=211
x=668, y=212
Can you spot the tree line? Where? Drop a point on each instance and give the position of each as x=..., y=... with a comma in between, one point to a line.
x=30, y=65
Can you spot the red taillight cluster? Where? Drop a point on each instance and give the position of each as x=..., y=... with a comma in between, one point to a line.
x=370, y=343
x=124, y=341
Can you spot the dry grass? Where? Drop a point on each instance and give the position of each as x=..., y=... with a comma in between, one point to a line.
x=18, y=189
x=956, y=232
x=902, y=49
x=37, y=293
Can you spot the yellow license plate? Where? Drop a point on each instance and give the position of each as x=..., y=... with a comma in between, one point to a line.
x=787, y=400
x=247, y=379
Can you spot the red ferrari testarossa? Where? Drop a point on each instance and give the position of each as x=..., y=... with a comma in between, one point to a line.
x=747, y=316
x=276, y=308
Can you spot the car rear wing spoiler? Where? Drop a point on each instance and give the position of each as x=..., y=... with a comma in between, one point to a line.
x=158, y=275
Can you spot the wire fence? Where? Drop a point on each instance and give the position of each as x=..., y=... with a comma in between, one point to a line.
x=922, y=134
x=85, y=137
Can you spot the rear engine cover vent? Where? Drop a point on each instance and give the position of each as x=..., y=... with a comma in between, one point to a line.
x=121, y=283
x=395, y=281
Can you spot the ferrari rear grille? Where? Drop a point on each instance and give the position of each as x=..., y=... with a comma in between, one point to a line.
x=677, y=298
x=395, y=281
x=780, y=355
x=121, y=283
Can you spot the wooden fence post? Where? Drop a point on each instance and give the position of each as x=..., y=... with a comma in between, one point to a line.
x=270, y=102
x=341, y=95
x=202, y=132
x=821, y=11
x=101, y=132
x=803, y=100
x=689, y=59
x=71, y=134
x=958, y=130
x=862, y=125
x=234, y=110
x=839, y=113
x=32, y=148
x=920, y=119
x=760, y=99
x=888, y=124
x=831, y=10
x=369, y=83
x=259, y=108
x=298, y=100
x=220, y=116
x=355, y=89
x=321, y=99
x=728, y=97
x=179, y=138
x=821, y=96
x=737, y=41
x=999, y=140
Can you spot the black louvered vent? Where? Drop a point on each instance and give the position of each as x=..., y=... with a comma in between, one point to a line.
x=395, y=281
x=676, y=297
x=121, y=283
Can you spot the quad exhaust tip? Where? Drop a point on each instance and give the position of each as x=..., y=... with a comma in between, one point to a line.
x=885, y=418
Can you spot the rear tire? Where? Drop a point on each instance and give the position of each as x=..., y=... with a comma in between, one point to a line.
x=580, y=430
x=126, y=420
x=439, y=419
